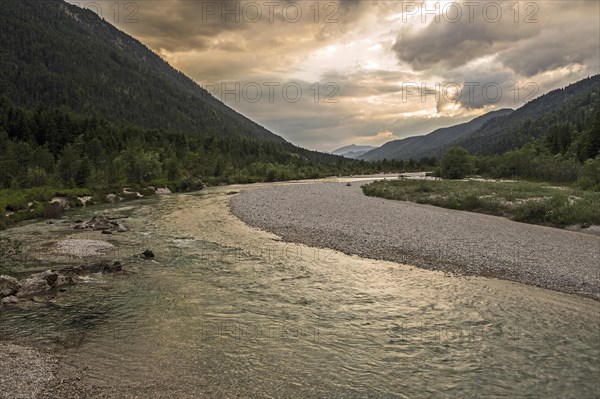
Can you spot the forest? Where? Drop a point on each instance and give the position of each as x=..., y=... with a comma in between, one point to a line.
x=50, y=150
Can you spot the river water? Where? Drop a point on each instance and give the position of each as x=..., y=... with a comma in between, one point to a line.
x=227, y=311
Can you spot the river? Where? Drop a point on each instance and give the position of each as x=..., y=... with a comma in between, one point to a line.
x=227, y=311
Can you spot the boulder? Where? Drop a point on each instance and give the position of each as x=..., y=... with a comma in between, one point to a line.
x=9, y=300
x=39, y=283
x=101, y=223
x=33, y=286
x=64, y=280
x=147, y=254
x=8, y=286
x=95, y=267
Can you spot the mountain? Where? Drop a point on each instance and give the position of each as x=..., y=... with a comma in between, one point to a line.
x=85, y=106
x=503, y=130
x=56, y=54
x=432, y=144
x=353, y=151
x=572, y=105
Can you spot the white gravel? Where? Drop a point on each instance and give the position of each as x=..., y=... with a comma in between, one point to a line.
x=82, y=248
x=333, y=215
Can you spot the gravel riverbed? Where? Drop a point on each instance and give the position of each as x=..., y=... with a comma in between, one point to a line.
x=334, y=215
x=24, y=372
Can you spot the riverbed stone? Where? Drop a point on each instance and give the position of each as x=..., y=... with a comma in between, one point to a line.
x=8, y=286
x=9, y=300
x=147, y=254
x=101, y=223
x=94, y=267
x=33, y=286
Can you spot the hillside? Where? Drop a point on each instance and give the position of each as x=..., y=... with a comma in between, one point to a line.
x=572, y=105
x=432, y=144
x=503, y=130
x=58, y=54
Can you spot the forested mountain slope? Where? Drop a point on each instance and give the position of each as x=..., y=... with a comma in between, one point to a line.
x=55, y=54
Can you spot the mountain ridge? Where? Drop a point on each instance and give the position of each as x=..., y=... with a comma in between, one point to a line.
x=501, y=130
x=353, y=151
x=131, y=83
x=417, y=147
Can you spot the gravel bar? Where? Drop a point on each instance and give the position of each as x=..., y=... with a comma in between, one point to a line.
x=334, y=215
x=24, y=372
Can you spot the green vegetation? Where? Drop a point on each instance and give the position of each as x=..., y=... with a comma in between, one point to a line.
x=50, y=151
x=528, y=202
x=85, y=109
x=562, y=118
x=455, y=164
x=566, y=154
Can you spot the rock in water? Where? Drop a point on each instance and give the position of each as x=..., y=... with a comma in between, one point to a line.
x=8, y=286
x=32, y=286
x=101, y=223
x=9, y=300
x=147, y=254
x=95, y=267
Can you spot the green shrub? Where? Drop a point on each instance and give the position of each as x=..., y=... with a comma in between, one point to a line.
x=456, y=164
x=471, y=202
x=533, y=212
x=589, y=176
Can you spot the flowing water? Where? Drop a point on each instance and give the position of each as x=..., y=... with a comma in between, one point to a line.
x=228, y=311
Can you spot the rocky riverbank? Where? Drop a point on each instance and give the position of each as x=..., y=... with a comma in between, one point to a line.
x=340, y=216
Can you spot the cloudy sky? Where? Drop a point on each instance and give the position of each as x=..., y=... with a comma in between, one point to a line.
x=331, y=73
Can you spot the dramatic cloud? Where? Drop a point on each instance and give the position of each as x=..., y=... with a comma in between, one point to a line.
x=368, y=71
x=528, y=38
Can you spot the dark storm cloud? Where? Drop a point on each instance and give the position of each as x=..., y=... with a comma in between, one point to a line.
x=561, y=34
x=555, y=49
x=482, y=88
x=448, y=45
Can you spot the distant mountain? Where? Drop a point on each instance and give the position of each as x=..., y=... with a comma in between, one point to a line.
x=55, y=54
x=500, y=131
x=353, y=151
x=432, y=144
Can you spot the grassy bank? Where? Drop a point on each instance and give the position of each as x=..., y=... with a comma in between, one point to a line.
x=34, y=203
x=523, y=201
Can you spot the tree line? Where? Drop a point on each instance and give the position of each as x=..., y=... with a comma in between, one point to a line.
x=55, y=147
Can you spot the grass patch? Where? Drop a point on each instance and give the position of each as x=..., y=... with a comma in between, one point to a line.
x=33, y=203
x=523, y=201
